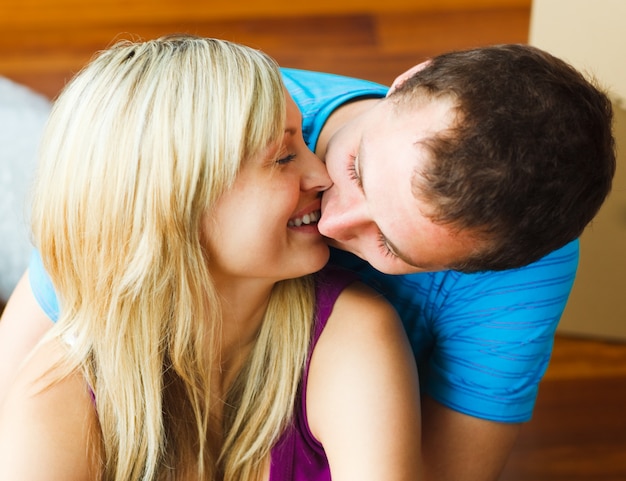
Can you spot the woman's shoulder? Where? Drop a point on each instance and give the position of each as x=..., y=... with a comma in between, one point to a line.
x=362, y=371
x=47, y=418
x=363, y=334
x=360, y=307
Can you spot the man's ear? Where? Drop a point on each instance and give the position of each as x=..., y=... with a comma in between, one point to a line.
x=400, y=79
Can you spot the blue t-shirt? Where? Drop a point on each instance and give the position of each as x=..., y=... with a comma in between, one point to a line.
x=482, y=341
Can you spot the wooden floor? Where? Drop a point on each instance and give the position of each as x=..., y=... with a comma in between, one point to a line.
x=579, y=428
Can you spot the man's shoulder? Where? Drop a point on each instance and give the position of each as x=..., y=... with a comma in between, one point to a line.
x=559, y=264
x=319, y=94
x=316, y=83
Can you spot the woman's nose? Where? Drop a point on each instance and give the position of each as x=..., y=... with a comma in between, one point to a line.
x=314, y=176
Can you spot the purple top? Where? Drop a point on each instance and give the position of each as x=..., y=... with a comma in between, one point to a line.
x=298, y=456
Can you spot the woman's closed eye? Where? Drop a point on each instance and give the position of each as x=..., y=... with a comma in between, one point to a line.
x=286, y=159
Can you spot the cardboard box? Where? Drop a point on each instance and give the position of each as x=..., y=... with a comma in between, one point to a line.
x=590, y=35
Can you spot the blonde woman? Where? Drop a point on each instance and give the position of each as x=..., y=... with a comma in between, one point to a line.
x=175, y=210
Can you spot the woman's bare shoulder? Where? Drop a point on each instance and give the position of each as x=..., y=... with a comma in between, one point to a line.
x=363, y=371
x=361, y=307
x=47, y=425
x=363, y=334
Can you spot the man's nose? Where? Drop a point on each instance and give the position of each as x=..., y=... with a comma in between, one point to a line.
x=342, y=221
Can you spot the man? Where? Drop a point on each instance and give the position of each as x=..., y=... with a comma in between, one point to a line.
x=470, y=181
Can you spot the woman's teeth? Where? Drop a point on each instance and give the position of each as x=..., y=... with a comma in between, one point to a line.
x=306, y=219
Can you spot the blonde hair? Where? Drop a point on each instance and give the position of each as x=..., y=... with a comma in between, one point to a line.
x=138, y=148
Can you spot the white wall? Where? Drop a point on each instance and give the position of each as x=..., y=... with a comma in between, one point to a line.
x=591, y=35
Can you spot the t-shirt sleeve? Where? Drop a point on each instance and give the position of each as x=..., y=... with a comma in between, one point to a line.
x=42, y=287
x=494, y=334
x=482, y=341
x=318, y=94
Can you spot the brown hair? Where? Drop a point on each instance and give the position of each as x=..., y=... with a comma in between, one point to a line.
x=530, y=159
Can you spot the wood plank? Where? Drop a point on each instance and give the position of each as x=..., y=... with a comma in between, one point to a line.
x=578, y=432
x=586, y=358
x=44, y=58
x=375, y=47
x=70, y=13
x=402, y=33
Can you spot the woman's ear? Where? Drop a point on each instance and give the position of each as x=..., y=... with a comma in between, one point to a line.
x=400, y=79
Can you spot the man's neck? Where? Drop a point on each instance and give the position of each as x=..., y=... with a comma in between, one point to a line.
x=340, y=117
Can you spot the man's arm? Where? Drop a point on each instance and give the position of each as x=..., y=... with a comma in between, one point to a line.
x=458, y=447
x=22, y=325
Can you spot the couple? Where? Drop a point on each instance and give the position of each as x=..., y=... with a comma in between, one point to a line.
x=193, y=341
